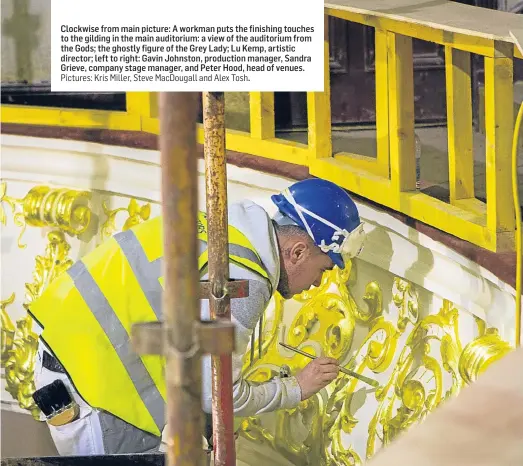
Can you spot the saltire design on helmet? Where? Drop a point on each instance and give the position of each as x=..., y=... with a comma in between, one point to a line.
x=327, y=213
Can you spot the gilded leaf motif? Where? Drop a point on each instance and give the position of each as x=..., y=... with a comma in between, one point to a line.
x=421, y=357
x=8, y=329
x=19, y=367
x=135, y=214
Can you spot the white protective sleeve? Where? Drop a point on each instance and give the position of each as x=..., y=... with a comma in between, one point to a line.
x=249, y=398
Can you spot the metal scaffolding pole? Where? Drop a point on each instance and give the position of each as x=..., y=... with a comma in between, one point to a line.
x=178, y=113
x=182, y=337
x=218, y=241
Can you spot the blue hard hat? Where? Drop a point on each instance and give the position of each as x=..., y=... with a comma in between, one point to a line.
x=327, y=213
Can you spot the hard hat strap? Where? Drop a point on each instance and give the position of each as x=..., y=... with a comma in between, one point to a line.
x=334, y=246
x=287, y=194
x=299, y=208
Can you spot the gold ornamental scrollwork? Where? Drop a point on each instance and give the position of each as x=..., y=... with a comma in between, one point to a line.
x=8, y=329
x=20, y=358
x=54, y=262
x=324, y=325
x=416, y=385
x=43, y=206
x=18, y=217
x=135, y=215
x=422, y=358
x=64, y=211
x=480, y=353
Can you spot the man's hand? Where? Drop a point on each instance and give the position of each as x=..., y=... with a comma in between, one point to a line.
x=317, y=374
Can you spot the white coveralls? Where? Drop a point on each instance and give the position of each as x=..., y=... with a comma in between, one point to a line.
x=87, y=435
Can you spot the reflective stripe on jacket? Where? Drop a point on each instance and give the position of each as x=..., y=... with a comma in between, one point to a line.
x=87, y=314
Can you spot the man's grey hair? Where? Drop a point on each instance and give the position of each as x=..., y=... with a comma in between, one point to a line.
x=290, y=230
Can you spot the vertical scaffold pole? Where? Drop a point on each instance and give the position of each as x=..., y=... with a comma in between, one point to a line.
x=218, y=248
x=178, y=113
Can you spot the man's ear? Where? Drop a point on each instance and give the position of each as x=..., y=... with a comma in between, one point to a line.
x=299, y=252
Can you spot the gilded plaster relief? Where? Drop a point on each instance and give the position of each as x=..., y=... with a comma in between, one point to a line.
x=21, y=357
x=135, y=214
x=374, y=325
x=418, y=358
x=43, y=206
x=62, y=212
x=8, y=329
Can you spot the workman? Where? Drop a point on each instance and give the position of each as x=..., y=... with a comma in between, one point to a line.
x=114, y=400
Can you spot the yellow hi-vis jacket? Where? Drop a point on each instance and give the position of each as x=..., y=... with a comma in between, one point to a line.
x=88, y=311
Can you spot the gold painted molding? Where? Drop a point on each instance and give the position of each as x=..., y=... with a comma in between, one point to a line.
x=67, y=212
x=417, y=354
x=64, y=211
x=8, y=329
x=43, y=206
x=136, y=214
x=480, y=353
x=20, y=358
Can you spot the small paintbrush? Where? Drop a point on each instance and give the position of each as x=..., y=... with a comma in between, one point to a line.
x=371, y=382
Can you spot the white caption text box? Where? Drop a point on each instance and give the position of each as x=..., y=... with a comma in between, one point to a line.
x=161, y=45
